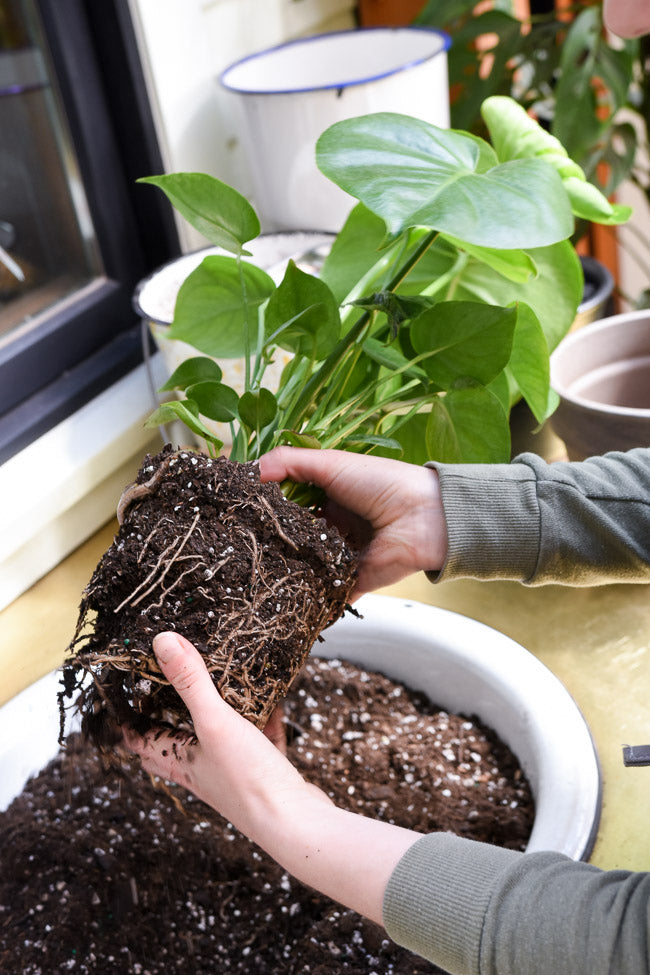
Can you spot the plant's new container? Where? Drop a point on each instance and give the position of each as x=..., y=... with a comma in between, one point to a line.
x=463, y=666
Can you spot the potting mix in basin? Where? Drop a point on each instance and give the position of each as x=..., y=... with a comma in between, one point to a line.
x=104, y=873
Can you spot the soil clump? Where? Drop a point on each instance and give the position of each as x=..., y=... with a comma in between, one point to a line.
x=207, y=550
x=103, y=873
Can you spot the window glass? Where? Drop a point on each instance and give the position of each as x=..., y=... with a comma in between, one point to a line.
x=47, y=243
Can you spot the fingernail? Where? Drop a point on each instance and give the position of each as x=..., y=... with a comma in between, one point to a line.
x=165, y=645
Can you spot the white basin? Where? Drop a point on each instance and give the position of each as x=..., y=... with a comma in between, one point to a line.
x=462, y=665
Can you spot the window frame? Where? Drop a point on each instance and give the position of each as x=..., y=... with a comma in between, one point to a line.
x=88, y=341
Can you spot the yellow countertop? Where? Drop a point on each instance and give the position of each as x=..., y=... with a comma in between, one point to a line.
x=596, y=641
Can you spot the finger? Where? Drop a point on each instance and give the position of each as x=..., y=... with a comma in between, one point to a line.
x=299, y=464
x=184, y=668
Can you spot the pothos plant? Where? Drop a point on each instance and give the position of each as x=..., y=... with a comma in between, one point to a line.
x=434, y=311
x=436, y=308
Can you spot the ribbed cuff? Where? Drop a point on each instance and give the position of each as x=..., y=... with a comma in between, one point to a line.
x=437, y=896
x=493, y=521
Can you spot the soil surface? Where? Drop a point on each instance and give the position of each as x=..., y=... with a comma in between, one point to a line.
x=102, y=873
x=207, y=550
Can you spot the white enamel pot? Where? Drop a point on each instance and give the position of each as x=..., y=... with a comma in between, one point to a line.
x=288, y=95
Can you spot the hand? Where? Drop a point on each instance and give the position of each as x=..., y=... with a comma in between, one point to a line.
x=397, y=508
x=236, y=769
x=233, y=767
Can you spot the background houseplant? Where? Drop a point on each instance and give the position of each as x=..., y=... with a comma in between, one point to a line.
x=587, y=87
x=435, y=310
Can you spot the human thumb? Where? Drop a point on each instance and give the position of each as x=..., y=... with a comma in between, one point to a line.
x=184, y=668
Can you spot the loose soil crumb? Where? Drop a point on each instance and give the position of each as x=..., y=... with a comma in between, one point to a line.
x=103, y=873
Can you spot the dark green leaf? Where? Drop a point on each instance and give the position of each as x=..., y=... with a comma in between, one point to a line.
x=192, y=371
x=468, y=426
x=217, y=302
x=302, y=315
x=412, y=438
x=257, y=409
x=215, y=209
x=529, y=363
x=469, y=340
x=215, y=400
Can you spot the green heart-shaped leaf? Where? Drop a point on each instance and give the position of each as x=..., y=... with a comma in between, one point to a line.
x=529, y=362
x=469, y=340
x=468, y=426
x=411, y=173
x=302, y=315
x=215, y=400
x=258, y=409
x=191, y=371
x=215, y=209
x=217, y=302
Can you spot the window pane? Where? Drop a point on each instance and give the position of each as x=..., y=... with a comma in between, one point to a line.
x=47, y=243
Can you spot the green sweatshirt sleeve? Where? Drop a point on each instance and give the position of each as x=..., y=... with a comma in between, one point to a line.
x=579, y=524
x=475, y=909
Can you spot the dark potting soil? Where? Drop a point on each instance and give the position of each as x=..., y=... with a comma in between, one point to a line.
x=102, y=873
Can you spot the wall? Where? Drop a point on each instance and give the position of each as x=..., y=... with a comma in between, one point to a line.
x=185, y=45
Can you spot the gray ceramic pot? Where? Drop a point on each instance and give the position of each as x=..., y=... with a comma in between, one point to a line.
x=602, y=375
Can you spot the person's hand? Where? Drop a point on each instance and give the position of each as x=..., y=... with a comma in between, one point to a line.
x=397, y=507
x=233, y=766
x=237, y=770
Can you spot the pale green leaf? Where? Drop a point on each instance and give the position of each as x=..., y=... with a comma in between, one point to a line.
x=216, y=210
x=411, y=173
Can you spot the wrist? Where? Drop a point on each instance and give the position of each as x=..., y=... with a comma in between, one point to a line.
x=432, y=537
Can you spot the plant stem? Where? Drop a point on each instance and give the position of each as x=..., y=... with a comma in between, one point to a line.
x=328, y=366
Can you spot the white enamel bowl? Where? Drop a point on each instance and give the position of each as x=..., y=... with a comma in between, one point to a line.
x=463, y=666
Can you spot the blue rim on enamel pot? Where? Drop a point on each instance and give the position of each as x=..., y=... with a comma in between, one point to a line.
x=307, y=64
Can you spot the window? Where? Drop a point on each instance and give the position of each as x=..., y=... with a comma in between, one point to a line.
x=76, y=233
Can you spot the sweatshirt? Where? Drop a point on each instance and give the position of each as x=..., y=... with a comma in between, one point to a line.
x=476, y=909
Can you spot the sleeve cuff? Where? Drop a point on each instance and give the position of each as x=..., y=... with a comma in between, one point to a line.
x=493, y=521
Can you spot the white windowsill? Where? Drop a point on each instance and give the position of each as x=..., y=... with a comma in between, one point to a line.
x=63, y=487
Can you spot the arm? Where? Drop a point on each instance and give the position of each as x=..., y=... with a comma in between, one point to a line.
x=580, y=524
x=583, y=523
x=471, y=908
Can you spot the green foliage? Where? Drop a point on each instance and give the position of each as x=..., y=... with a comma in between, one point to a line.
x=435, y=309
x=571, y=75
